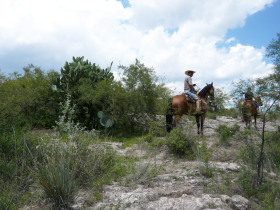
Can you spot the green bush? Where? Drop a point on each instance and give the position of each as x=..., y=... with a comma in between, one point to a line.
x=57, y=178
x=65, y=123
x=28, y=100
x=157, y=128
x=66, y=165
x=93, y=162
x=79, y=78
x=247, y=180
x=181, y=144
x=273, y=147
x=143, y=173
x=226, y=132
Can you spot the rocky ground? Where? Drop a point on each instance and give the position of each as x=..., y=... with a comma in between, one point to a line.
x=180, y=184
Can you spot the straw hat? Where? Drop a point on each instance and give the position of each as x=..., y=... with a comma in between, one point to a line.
x=188, y=71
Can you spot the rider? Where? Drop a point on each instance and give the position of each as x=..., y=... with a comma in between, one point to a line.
x=249, y=96
x=189, y=89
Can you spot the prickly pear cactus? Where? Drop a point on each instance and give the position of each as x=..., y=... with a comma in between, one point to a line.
x=105, y=121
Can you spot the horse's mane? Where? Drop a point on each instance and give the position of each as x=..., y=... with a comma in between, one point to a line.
x=205, y=90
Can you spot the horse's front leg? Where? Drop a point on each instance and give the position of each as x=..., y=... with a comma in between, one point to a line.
x=202, y=123
x=255, y=117
x=198, y=123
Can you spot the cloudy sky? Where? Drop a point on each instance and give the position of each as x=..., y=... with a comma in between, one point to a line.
x=223, y=40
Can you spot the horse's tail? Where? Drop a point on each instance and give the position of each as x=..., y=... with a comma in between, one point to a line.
x=169, y=116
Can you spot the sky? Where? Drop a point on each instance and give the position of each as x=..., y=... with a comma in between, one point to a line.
x=222, y=40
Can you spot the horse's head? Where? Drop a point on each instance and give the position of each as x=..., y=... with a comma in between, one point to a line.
x=211, y=89
x=208, y=90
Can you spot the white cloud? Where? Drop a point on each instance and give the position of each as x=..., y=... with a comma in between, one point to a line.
x=105, y=31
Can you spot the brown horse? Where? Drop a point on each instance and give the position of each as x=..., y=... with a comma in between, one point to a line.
x=249, y=109
x=180, y=105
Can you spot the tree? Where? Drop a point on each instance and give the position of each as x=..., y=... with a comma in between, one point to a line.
x=28, y=99
x=269, y=86
x=239, y=88
x=273, y=51
x=78, y=77
x=218, y=104
x=73, y=74
x=146, y=96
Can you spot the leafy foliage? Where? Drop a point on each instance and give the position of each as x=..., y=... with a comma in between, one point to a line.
x=79, y=78
x=72, y=74
x=273, y=51
x=226, y=132
x=218, y=103
x=182, y=144
x=65, y=123
x=28, y=99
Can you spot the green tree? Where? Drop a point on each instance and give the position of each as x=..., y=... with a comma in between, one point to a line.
x=77, y=78
x=239, y=88
x=146, y=96
x=218, y=104
x=273, y=52
x=131, y=102
x=269, y=86
x=28, y=99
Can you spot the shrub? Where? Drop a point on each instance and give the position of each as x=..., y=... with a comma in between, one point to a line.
x=204, y=154
x=93, y=162
x=273, y=148
x=57, y=178
x=182, y=144
x=226, y=133
x=67, y=165
x=157, y=128
x=65, y=123
x=143, y=173
x=247, y=180
x=28, y=100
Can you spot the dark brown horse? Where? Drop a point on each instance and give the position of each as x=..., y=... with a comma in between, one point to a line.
x=249, y=109
x=180, y=105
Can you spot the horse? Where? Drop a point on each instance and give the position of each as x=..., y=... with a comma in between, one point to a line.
x=249, y=109
x=180, y=105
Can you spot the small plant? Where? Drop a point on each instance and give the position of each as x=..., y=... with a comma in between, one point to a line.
x=143, y=173
x=182, y=144
x=57, y=178
x=204, y=154
x=226, y=133
x=248, y=180
x=65, y=123
x=157, y=128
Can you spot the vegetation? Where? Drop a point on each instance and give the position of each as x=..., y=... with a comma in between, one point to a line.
x=181, y=144
x=226, y=132
x=83, y=107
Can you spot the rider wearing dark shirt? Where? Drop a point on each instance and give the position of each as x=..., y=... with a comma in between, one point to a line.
x=249, y=96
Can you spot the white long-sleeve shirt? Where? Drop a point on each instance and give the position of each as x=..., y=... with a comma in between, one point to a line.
x=187, y=83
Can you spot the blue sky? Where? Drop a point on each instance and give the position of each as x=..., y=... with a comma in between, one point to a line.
x=223, y=41
x=259, y=28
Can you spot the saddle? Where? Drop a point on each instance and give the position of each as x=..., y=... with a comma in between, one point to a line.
x=189, y=98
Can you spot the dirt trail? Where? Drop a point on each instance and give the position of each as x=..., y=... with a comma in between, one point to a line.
x=180, y=184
